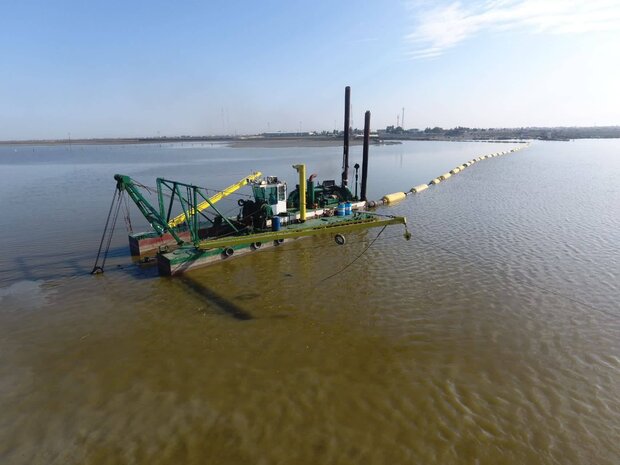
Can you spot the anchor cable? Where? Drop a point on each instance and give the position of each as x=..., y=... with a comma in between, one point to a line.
x=119, y=201
x=356, y=258
x=127, y=216
x=97, y=269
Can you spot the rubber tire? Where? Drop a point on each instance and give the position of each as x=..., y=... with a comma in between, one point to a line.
x=340, y=239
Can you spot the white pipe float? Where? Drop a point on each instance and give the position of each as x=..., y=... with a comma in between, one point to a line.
x=420, y=188
x=399, y=196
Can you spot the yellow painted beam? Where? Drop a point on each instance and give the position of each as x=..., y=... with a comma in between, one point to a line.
x=301, y=169
x=177, y=220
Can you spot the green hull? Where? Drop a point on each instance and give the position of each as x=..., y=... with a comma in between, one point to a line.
x=215, y=250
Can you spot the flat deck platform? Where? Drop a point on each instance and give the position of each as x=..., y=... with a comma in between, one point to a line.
x=224, y=248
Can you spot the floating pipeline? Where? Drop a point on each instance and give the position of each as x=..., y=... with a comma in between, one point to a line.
x=393, y=198
x=399, y=196
x=418, y=189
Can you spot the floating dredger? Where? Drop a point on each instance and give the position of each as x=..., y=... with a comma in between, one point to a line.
x=200, y=234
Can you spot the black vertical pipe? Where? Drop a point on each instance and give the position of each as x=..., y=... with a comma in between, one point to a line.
x=365, y=154
x=345, y=154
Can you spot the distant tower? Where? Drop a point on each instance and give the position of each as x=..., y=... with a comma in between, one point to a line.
x=397, y=120
x=402, y=120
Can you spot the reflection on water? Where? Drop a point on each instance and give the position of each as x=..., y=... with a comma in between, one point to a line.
x=490, y=337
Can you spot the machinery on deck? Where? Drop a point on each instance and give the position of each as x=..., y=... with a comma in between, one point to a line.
x=186, y=216
x=207, y=235
x=180, y=219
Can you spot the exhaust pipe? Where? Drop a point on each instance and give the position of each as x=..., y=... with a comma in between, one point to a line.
x=345, y=154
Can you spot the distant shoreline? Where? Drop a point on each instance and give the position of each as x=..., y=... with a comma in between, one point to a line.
x=115, y=141
x=239, y=142
x=284, y=142
x=307, y=140
x=271, y=143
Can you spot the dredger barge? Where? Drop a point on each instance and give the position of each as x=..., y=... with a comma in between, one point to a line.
x=199, y=234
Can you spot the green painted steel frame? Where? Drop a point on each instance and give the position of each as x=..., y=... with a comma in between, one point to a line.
x=189, y=205
x=159, y=219
x=155, y=218
x=292, y=233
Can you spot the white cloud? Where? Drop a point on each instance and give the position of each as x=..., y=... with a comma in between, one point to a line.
x=440, y=27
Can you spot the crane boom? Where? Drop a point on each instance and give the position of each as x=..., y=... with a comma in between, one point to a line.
x=155, y=219
x=177, y=220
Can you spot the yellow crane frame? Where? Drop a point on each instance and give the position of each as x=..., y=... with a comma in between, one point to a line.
x=180, y=219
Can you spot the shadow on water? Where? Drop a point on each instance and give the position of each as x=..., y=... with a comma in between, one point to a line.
x=228, y=307
x=53, y=266
x=142, y=269
x=248, y=296
x=39, y=267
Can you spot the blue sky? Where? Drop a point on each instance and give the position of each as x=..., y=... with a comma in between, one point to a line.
x=143, y=68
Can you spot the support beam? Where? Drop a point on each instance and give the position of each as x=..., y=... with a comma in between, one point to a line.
x=365, y=155
x=180, y=219
x=301, y=169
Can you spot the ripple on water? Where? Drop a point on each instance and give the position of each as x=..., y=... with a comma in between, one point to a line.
x=468, y=344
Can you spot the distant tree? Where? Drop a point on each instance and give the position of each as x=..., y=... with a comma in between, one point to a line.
x=458, y=131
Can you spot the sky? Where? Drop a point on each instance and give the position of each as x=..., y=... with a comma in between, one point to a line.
x=85, y=69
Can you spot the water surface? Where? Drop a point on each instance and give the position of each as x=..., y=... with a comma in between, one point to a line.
x=490, y=337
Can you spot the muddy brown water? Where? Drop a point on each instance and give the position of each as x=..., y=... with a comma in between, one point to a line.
x=490, y=337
